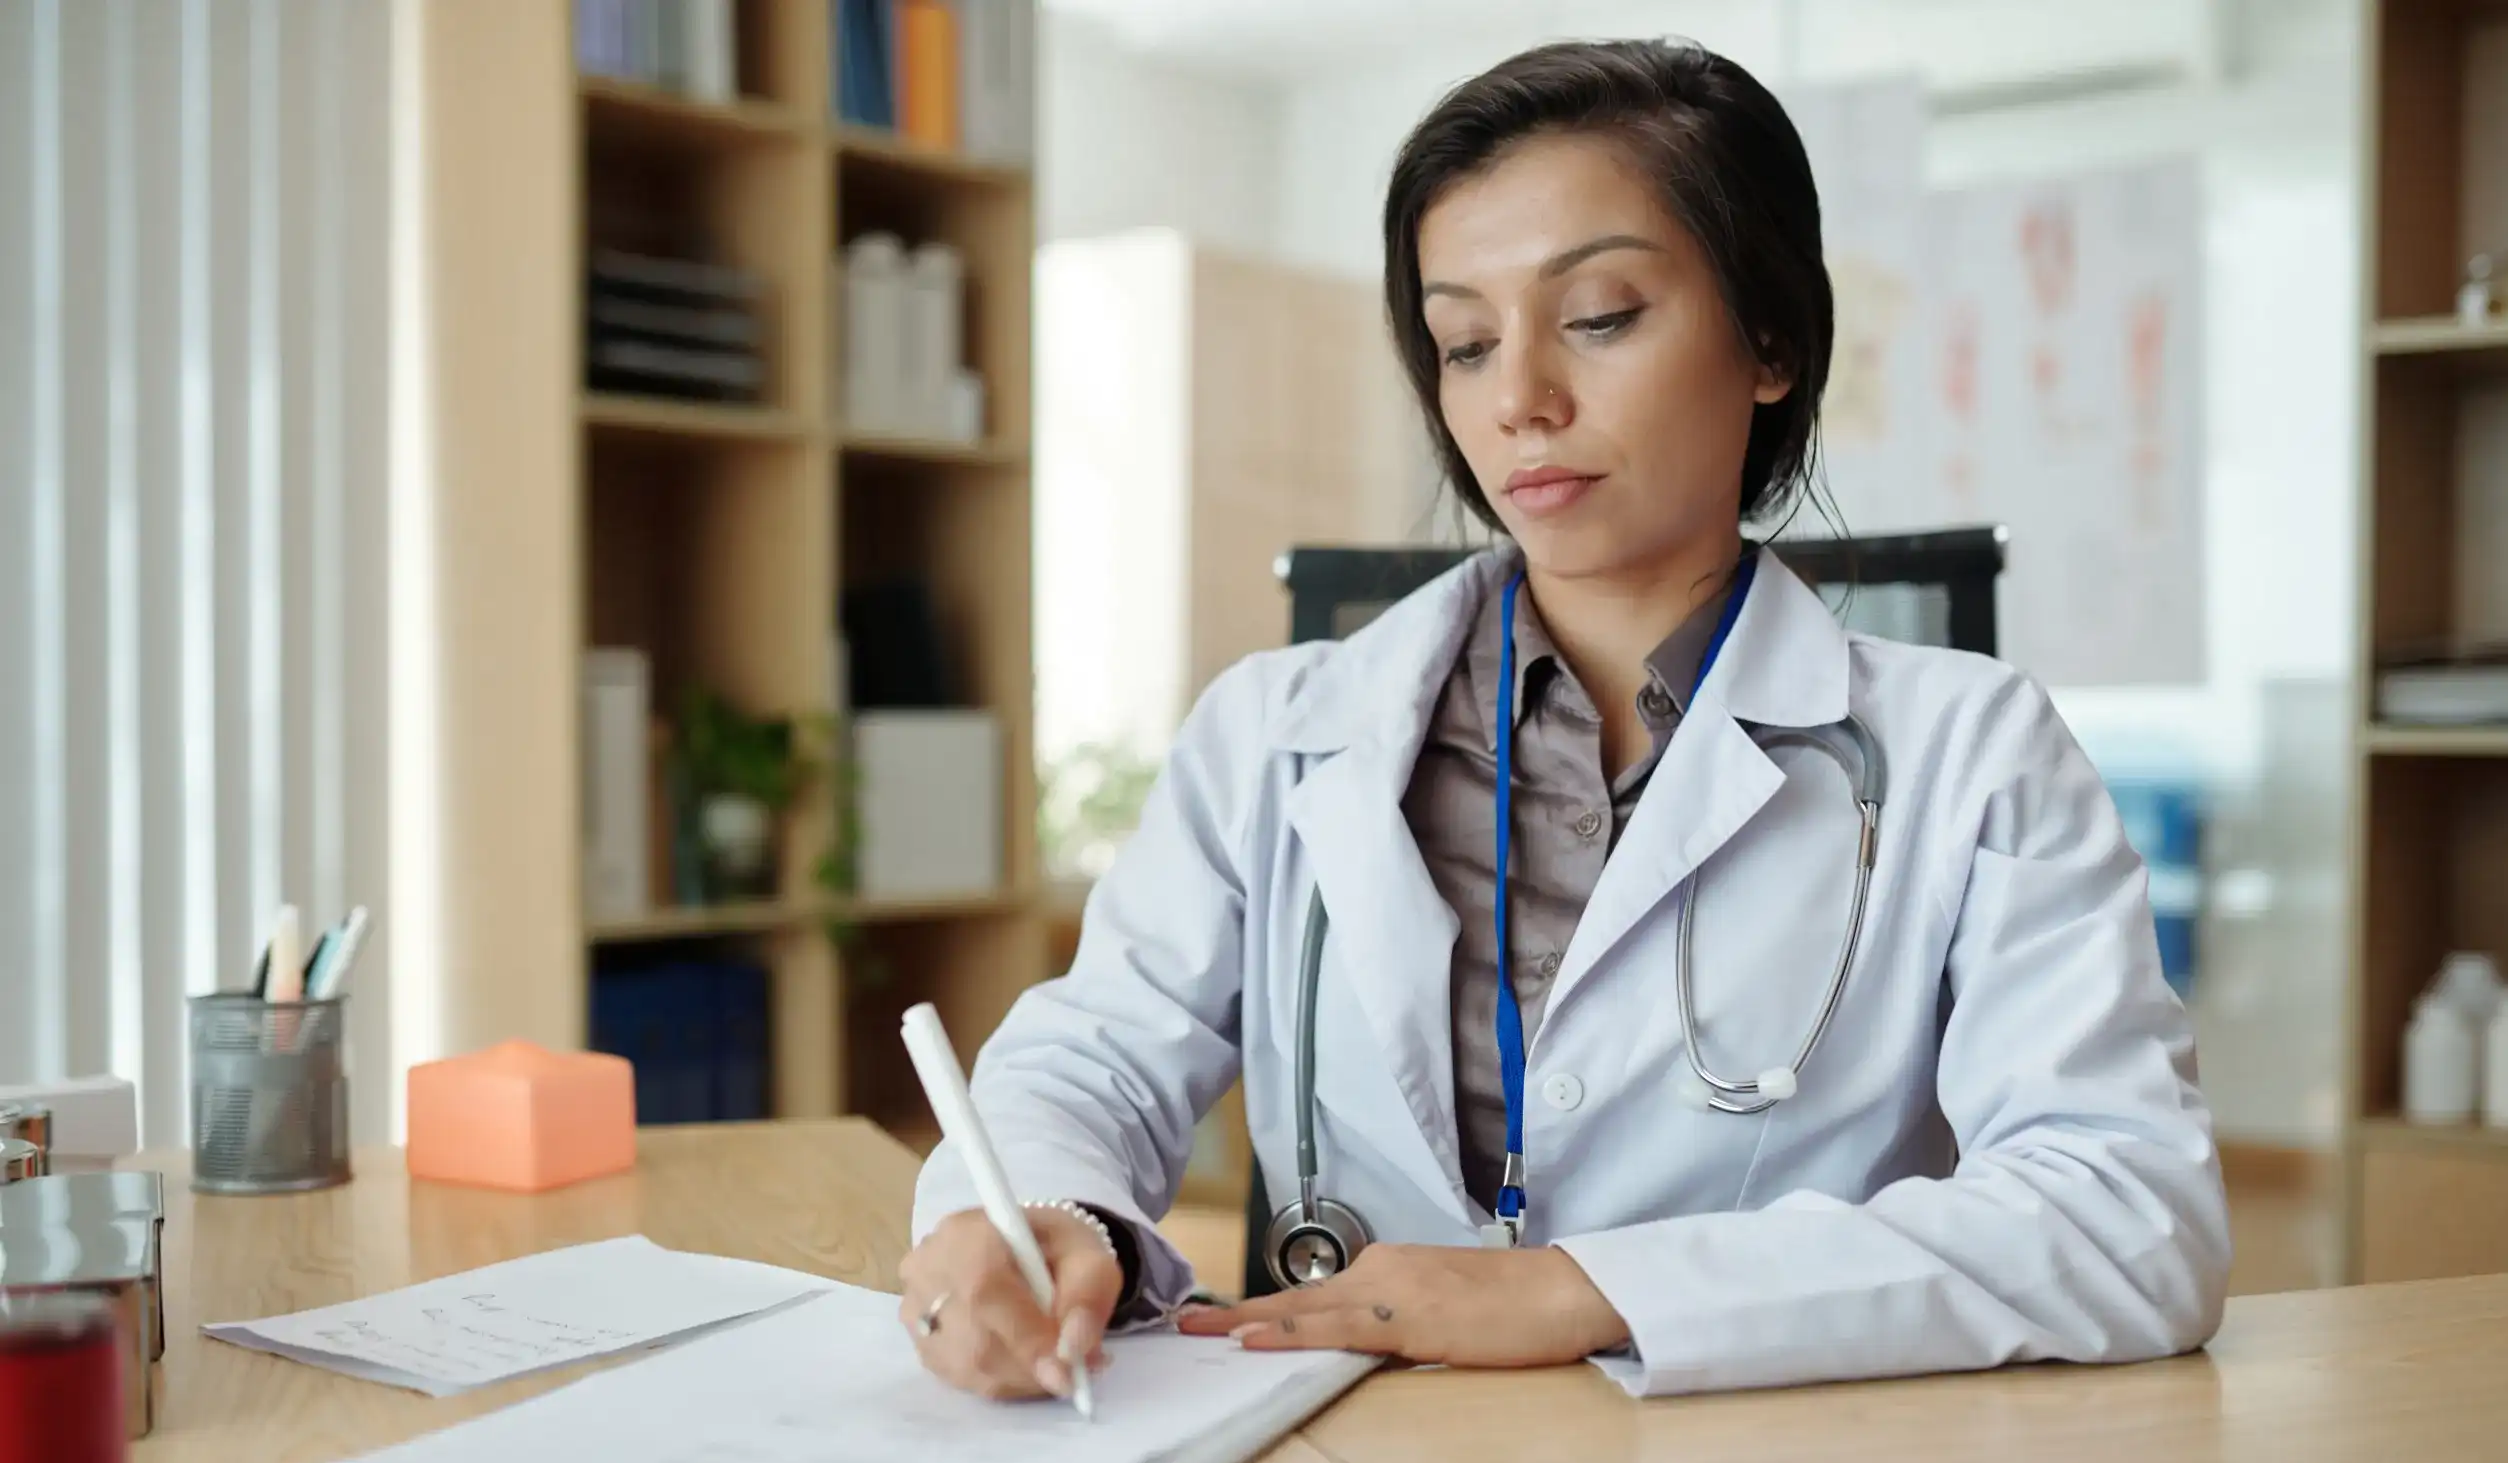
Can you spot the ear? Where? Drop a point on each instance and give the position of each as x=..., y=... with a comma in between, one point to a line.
x=1773, y=385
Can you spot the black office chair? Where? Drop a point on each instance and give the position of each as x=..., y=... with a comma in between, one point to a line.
x=1930, y=588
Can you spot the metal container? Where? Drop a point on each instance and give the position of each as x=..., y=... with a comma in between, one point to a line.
x=31, y=1121
x=61, y=1379
x=269, y=1094
x=100, y=1235
x=20, y=1159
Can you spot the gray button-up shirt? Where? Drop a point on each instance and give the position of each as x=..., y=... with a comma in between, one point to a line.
x=1567, y=820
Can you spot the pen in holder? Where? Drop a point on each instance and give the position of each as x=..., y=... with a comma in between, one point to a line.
x=269, y=1094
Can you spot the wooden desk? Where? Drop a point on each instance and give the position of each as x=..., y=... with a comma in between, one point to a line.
x=831, y=1198
x=2370, y=1373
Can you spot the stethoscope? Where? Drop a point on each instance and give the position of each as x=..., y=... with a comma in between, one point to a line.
x=1314, y=1238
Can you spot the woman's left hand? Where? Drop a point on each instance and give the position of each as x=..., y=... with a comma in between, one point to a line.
x=1433, y=1303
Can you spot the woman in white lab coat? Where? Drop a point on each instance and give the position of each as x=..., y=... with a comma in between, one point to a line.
x=1603, y=272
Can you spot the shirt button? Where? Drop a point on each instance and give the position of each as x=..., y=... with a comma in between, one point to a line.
x=1562, y=1092
x=1589, y=825
x=1550, y=963
x=1654, y=703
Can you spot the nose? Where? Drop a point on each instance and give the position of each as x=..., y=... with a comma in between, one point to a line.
x=1532, y=396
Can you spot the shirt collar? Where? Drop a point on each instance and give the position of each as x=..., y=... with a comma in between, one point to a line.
x=1673, y=663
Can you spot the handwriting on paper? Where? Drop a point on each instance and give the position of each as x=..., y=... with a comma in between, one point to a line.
x=525, y=1315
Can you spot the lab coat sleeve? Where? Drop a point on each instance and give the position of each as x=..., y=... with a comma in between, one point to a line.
x=1092, y=1084
x=2085, y=1220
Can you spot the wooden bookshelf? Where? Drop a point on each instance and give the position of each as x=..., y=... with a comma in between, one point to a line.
x=716, y=538
x=876, y=446
x=2430, y=824
x=629, y=416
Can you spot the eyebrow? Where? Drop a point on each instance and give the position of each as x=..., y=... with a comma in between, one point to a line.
x=1556, y=265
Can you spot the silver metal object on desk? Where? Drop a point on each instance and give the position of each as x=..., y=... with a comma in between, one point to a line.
x=101, y=1234
x=19, y=1159
x=269, y=1094
x=31, y=1121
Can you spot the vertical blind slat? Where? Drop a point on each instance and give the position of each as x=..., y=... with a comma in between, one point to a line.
x=192, y=468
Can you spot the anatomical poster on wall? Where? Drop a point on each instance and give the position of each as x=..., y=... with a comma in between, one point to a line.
x=2067, y=404
x=1866, y=144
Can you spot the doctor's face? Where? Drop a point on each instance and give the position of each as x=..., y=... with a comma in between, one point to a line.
x=1588, y=367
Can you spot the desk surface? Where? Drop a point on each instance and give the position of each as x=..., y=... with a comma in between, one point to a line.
x=2382, y=1372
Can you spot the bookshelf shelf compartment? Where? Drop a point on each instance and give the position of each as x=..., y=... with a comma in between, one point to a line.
x=2393, y=1133
x=2389, y=740
x=698, y=920
x=879, y=446
x=636, y=115
x=654, y=416
x=873, y=149
x=879, y=910
x=768, y=916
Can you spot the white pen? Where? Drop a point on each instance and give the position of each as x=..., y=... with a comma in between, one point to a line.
x=331, y=963
x=945, y=1083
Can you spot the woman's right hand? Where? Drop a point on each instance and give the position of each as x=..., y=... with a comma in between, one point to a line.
x=986, y=1333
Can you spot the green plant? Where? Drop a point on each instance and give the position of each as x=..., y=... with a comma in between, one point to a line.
x=1089, y=801
x=724, y=751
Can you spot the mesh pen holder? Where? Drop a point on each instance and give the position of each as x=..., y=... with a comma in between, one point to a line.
x=269, y=1095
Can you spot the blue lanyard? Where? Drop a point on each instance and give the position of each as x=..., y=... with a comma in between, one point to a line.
x=1510, y=1017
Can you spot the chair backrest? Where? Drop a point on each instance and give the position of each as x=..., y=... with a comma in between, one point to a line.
x=1928, y=588
x=1934, y=588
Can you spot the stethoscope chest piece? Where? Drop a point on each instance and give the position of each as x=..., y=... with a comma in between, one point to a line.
x=1312, y=1241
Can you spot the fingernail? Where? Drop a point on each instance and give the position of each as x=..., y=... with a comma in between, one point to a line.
x=1053, y=1376
x=1069, y=1348
x=1248, y=1329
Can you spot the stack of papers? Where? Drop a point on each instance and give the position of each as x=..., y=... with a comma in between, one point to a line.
x=835, y=1378
x=524, y=1316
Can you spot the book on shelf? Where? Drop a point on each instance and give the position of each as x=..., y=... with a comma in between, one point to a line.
x=693, y=1025
x=659, y=326
x=687, y=46
x=617, y=782
x=2449, y=683
x=954, y=75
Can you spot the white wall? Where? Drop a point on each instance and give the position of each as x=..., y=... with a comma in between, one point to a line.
x=2269, y=729
x=1128, y=142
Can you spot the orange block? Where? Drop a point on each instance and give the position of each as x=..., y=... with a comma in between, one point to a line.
x=519, y=1116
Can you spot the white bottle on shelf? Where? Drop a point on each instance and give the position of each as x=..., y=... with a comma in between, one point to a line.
x=2495, y=1071
x=876, y=326
x=2442, y=1062
x=935, y=335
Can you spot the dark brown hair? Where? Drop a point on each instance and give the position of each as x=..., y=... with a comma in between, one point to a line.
x=1731, y=169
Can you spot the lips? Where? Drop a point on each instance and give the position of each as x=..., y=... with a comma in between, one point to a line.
x=1542, y=490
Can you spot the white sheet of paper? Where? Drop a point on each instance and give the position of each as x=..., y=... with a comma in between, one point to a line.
x=508, y=1320
x=835, y=1379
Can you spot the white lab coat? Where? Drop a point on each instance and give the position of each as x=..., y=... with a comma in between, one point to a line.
x=1997, y=1154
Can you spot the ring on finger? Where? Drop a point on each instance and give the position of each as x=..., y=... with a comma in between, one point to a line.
x=929, y=1322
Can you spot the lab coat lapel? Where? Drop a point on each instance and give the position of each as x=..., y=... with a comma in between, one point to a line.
x=1785, y=664
x=1395, y=948
x=1391, y=947
x=1713, y=777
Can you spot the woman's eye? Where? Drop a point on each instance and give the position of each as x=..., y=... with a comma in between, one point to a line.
x=1602, y=326
x=1467, y=354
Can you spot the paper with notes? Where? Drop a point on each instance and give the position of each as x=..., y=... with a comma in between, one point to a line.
x=507, y=1320
x=835, y=1378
